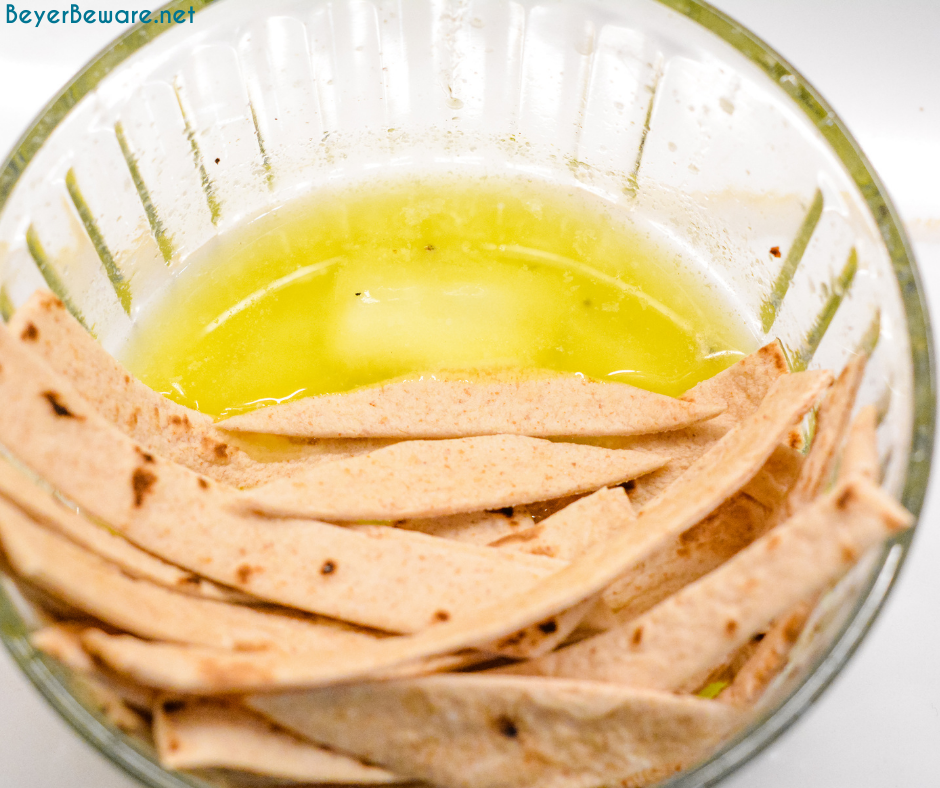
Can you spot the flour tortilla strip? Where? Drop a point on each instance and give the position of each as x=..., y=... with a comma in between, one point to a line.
x=769, y=657
x=568, y=533
x=485, y=731
x=775, y=480
x=480, y=528
x=444, y=477
x=860, y=455
x=199, y=733
x=162, y=426
x=740, y=388
x=63, y=643
x=687, y=557
x=151, y=611
x=433, y=408
x=707, y=544
x=723, y=471
x=401, y=582
x=540, y=638
x=832, y=423
x=44, y=509
x=695, y=628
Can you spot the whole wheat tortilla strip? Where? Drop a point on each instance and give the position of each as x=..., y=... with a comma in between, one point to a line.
x=401, y=581
x=687, y=557
x=860, y=454
x=731, y=463
x=63, y=643
x=181, y=434
x=740, y=388
x=568, y=533
x=832, y=422
x=707, y=544
x=443, y=477
x=480, y=528
x=200, y=733
x=151, y=611
x=695, y=628
x=44, y=509
x=769, y=657
x=485, y=731
x=432, y=408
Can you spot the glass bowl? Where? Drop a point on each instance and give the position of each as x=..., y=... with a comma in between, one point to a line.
x=667, y=109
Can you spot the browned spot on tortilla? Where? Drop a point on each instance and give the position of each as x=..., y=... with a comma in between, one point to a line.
x=328, y=568
x=441, y=615
x=731, y=627
x=179, y=421
x=549, y=627
x=127, y=378
x=512, y=640
x=145, y=456
x=843, y=500
x=216, y=674
x=188, y=580
x=507, y=727
x=58, y=408
x=29, y=333
x=795, y=440
x=849, y=554
x=51, y=302
x=773, y=542
x=545, y=550
x=244, y=573
x=523, y=536
x=172, y=744
x=221, y=451
x=141, y=482
x=132, y=419
x=637, y=636
x=202, y=483
x=775, y=251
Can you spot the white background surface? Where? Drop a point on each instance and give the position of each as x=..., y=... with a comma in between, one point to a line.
x=878, y=63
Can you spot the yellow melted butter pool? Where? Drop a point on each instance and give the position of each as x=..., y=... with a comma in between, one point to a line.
x=351, y=287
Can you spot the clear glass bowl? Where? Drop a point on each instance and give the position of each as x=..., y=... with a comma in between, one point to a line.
x=667, y=109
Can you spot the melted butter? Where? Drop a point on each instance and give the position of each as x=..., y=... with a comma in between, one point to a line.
x=350, y=288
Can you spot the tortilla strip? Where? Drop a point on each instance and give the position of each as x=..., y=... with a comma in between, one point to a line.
x=198, y=733
x=860, y=455
x=707, y=544
x=769, y=658
x=443, y=477
x=775, y=480
x=568, y=533
x=486, y=731
x=697, y=627
x=832, y=422
x=433, y=408
x=151, y=611
x=181, y=434
x=740, y=388
x=540, y=638
x=63, y=643
x=475, y=527
x=731, y=463
x=687, y=557
x=44, y=509
x=401, y=581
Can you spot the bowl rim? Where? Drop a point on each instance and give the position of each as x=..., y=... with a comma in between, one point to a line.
x=130, y=756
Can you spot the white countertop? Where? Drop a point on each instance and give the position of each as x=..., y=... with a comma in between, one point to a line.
x=878, y=726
